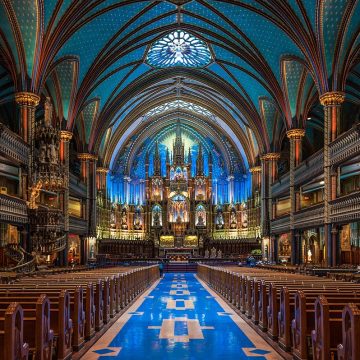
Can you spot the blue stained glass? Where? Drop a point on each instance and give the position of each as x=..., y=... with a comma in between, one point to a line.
x=179, y=48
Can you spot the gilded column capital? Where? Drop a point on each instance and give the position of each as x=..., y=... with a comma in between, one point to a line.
x=27, y=98
x=255, y=169
x=102, y=170
x=270, y=156
x=87, y=156
x=295, y=133
x=65, y=135
x=332, y=98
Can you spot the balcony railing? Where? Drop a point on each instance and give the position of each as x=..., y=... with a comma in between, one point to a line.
x=13, y=146
x=310, y=168
x=345, y=208
x=281, y=186
x=77, y=225
x=248, y=234
x=47, y=218
x=77, y=187
x=346, y=146
x=309, y=217
x=281, y=224
x=13, y=209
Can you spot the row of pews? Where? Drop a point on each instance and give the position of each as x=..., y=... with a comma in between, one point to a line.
x=311, y=317
x=51, y=316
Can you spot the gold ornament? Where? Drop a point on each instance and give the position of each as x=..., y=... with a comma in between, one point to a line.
x=295, y=133
x=255, y=169
x=87, y=156
x=27, y=99
x=270, y=156
x=65, y=135
x=102, y=170
x=332, y=98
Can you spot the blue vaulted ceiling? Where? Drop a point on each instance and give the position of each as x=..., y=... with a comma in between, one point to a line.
x=270, y=61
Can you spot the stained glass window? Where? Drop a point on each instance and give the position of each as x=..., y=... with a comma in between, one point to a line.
x=179, y=48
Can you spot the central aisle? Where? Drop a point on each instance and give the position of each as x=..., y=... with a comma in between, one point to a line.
x=180, y=318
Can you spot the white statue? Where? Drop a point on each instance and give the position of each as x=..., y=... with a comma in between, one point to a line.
x=207, y=254
x=53, y=153
x=309, y=255
x=213, y=253
x=219, y=254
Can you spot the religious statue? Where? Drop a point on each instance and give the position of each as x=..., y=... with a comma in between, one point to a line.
x=219, y=254
x=42, y=152
x=219, y=220
x=213, y=253
x=207, y=254
x=309, y=255
x=34, y=194
x=137, y=222
x=156, y=219
x=92, y=251
x=233, y=221
x=200, y=221
x=53, y=154
x=124, y=219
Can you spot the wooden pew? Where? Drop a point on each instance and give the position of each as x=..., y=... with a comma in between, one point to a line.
x=36, y=325
x=76, y=307
x=60, y=321
x=349, y=348
x=12, y=345
x=273, y=302
x=296, y=306
x=328, y=326
x=107, y=291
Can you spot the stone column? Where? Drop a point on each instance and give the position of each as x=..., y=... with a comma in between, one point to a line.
x=92, y=193
x=331, y=102
x=88, y=176
x=27, y=102
x=255, y=179
x=295, y=137
x=268, y=175
x=65, y=137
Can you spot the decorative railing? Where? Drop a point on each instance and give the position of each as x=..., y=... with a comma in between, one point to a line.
x=13, y=209
x=309, y=217
x=13, y=146
x=280, y=225
x=77, y=187
x=13, y=252
x=25, y=267
x=281, y=186
x=77, y=224
x=345, y=208
x=49, y=247
x=25, y=261
x=346, y=146
x=44, y=217
x=236, y=234
x=309, y=168
x=121, y=234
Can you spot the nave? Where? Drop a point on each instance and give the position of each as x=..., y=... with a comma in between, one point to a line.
x=180, y=317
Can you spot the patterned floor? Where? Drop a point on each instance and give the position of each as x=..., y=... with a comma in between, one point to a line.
x=180, y=318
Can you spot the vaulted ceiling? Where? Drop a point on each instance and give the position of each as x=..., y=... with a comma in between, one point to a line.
x=270, y=61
